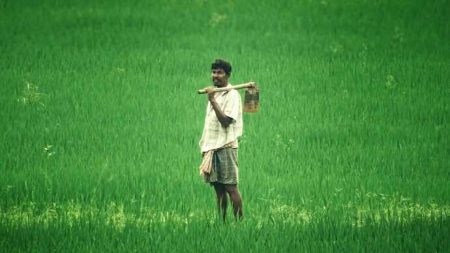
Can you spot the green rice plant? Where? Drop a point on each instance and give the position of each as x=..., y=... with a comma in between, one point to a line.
x=30, y=95
x=349, y=151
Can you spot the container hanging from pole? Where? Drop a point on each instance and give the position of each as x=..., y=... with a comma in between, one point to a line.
x=251, y=101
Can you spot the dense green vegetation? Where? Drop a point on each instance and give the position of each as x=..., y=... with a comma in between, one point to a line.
x=100, y=123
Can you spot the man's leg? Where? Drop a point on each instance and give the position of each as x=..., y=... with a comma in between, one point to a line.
x=235, y=197
x=222, y=202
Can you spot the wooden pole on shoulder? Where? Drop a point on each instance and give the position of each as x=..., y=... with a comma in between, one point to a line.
x=234, y=87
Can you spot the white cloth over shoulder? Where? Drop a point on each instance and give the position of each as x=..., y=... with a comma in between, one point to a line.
x=214, y=135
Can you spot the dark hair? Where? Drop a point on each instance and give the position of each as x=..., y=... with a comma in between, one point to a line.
x=221, y=64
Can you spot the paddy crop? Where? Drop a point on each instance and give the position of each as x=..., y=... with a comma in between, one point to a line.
x=101, y=123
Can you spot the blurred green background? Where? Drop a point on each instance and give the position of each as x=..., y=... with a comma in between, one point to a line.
x=101, y=123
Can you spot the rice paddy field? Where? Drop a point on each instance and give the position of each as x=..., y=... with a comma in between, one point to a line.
x=100, y=123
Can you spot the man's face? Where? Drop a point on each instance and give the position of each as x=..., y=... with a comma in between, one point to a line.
x=219, y=77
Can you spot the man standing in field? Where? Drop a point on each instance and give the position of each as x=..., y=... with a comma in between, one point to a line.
x=219, y=142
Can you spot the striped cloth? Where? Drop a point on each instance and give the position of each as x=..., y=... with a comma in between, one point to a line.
x=220, y=166
x=214, y=135
x=206, y=167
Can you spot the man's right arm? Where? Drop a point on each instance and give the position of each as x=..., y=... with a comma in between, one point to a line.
x=224, y=120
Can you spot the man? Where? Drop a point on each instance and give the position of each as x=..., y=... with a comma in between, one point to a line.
x=219, y=142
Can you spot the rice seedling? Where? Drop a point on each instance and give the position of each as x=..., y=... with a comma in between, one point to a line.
x=349, y=151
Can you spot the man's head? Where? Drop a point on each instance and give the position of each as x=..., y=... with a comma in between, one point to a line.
x=220, y=72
